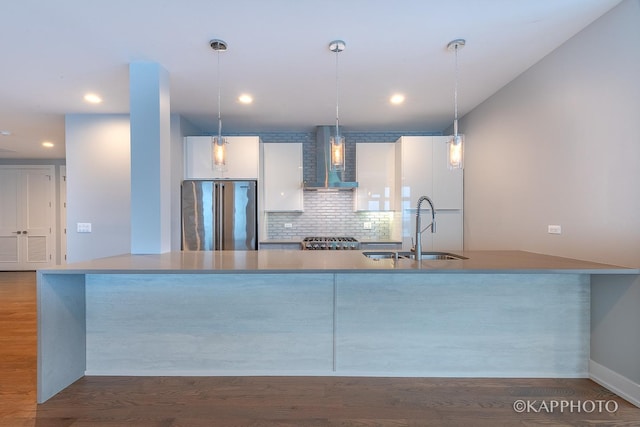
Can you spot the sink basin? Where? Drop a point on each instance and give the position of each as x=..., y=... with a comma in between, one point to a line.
x=431, y=255
x=379, y=254
x=410, y=255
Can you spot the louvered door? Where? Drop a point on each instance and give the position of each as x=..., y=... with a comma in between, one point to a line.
x=26, y=217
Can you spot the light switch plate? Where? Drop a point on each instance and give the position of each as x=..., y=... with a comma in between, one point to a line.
x=83, y=227
x=367, y=226
x=554, y=229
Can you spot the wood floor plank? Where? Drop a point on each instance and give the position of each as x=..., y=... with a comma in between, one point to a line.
x=272, y=401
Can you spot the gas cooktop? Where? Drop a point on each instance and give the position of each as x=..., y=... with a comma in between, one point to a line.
x=330, y=243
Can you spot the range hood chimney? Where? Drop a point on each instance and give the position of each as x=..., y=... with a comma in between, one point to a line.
x=326, y=179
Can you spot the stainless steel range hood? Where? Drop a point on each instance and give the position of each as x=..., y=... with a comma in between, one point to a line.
x=326, y=180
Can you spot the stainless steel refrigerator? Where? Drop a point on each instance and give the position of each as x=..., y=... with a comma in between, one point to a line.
x=219, y=215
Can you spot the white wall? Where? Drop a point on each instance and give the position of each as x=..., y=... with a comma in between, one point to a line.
x=561, y=145
x=98, y=163
x=98, y=185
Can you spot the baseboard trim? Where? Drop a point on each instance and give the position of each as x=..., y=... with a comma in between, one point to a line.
x=622, y=386
x=323, y=373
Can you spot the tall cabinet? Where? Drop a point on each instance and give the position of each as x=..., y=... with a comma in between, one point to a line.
x=421, y=170
x=26, y=217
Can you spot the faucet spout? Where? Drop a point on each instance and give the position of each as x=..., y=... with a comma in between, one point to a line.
x=418, y=243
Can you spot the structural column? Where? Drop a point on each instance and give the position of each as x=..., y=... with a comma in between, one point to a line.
x=150, y=158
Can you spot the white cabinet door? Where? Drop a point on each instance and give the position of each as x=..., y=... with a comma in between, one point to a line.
x=243, y=158
x=414, y=178
x=449, y=230
x=282, y=168
x=448, y=235
x=447, y=183
x=26, y=217
x=375, y=173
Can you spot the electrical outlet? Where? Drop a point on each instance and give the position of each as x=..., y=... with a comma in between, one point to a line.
x=288, y=225
x=83, y=227
x=367, y=226
x=554, y=229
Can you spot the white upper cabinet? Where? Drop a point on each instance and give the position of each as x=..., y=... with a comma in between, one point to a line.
x=282, y=168
x=243, y=158
x=375, y=173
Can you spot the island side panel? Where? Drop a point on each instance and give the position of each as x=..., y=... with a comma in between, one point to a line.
x=463, y=325
x=209, y=324
x=61, y=332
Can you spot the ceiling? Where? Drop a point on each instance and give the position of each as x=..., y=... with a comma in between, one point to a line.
x=55, y=52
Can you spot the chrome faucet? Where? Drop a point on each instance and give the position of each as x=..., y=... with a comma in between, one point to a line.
x=417, y=248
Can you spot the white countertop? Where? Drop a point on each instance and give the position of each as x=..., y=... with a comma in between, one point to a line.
x=279, y=261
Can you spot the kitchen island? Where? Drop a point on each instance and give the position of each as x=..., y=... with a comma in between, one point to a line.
x=282, y=312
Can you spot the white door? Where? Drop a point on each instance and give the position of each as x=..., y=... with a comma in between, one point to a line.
x=63, y=215
x=26, y=217
x=10, y=228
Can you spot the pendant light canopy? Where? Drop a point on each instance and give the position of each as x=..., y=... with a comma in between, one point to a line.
x=455, y=156
x=337, y=141
x=218, y=142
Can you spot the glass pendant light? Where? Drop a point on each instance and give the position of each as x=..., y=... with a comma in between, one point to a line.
x=455, y=156
x=337, y=141
x=218, y=142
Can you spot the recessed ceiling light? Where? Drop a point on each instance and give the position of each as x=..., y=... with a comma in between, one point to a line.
x=397, y=99
x=5, y=132
x=92, y=98
x=245, y=98
x=48, y=144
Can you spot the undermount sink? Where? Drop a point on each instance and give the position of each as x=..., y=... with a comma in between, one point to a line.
x=379, y=254
x=376, y=255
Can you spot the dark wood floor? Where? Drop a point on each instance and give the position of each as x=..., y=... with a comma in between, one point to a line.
x=278, y=401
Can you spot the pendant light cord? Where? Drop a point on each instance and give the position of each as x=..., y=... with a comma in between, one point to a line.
x=219, y=115
x=455, y=95
x=337, y=98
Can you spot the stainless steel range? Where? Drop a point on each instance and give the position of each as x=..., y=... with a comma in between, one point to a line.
x=330, y=243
